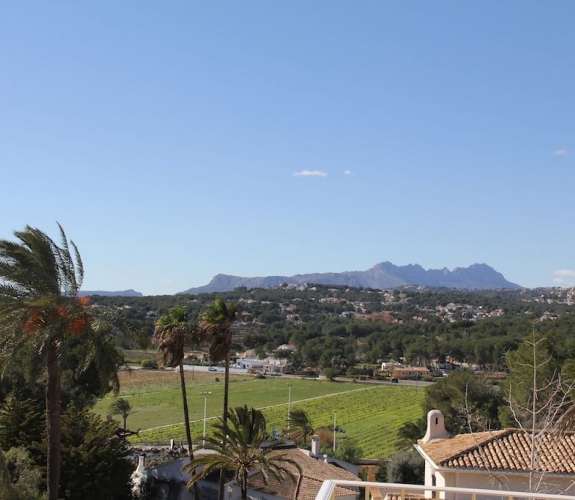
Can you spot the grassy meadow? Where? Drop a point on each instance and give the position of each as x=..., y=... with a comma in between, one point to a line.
x=370, y=414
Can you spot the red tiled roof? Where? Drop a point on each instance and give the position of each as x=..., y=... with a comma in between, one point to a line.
x=314, y=472
x=509, y=449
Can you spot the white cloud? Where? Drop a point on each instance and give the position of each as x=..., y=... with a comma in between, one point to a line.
x=165, y=281
x=564, y=277
x=347, y=172
x=310, y=173
x=564, y=273
x=561, y=152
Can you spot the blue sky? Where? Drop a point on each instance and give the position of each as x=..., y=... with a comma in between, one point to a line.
x=178, y=140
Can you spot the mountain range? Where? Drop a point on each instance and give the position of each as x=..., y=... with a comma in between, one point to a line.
x=381, y=276
x=103, y=293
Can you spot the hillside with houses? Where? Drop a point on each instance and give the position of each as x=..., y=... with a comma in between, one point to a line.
x=358, y=327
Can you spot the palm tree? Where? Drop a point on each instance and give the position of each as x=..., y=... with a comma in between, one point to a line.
x=122, y=407
x=40, y=307
x=171, y=334
x=300, y=426
x=236, y=445
x=216, y=324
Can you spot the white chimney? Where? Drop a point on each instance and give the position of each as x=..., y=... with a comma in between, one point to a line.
x=435, y=427
x=315, y=446
x=141, y=463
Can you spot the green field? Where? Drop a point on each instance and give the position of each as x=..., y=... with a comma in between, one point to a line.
x=369, y=414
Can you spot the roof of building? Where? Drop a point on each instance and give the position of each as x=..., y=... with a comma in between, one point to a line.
x=411, y=368
x=314, y=473
x=508, y=449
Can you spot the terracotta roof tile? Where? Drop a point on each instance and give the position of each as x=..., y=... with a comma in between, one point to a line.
x=509, y=449
x=314, y=472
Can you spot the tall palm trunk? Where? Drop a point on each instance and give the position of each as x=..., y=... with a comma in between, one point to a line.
x=186, y=412
x=216, y=322
x=225, y=418
x=226, y=387
x=187, y=422
x=53, y=425
x=244, y=485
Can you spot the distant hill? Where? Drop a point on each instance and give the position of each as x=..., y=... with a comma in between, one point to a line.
x=382, y=276
x=125, y=293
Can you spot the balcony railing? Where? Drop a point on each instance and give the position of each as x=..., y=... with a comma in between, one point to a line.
x=394, y=491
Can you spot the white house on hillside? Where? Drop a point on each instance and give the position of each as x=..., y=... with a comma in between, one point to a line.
x=267, y=365
x=499, y=460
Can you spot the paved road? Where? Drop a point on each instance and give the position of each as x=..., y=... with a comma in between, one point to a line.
x=215, y=369
x=239, y=371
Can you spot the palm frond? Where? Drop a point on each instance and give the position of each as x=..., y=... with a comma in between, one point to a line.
x=120, y=406
x=300, y=425
x=72, y=269
x=98, y=350
x=37, y=262
x=171, y=334
x=215, y=324
x=236, y=446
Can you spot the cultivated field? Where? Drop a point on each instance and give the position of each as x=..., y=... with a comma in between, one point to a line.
x=369, y=414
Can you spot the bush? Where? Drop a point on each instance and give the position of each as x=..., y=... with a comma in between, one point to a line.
x=407, y=468
x=26, y=476
x=191, y=360
x=381, y=474
x=150, y=364
x=348, y=451
x=95, y=466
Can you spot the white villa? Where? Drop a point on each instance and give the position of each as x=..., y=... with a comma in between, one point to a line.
x=499, y=460
x=267, y=365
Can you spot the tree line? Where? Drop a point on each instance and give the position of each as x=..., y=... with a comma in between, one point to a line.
x=270, y=318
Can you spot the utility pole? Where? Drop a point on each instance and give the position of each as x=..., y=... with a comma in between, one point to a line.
x=289, y=404
x=334, y=427
x=205, y=394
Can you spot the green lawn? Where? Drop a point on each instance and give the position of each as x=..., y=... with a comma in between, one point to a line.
x=369, y=414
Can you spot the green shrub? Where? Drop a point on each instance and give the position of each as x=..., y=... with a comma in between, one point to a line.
x=150, y=364
x=407, y=467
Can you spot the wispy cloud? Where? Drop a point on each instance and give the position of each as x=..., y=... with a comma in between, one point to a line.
x=561, y=152
x=165, y=281
x=347, y=172
x=564, y=273
x=311, y=173
x=564, y=277
x=562, y=282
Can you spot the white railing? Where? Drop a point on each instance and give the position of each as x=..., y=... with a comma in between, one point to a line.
x=407, y=491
